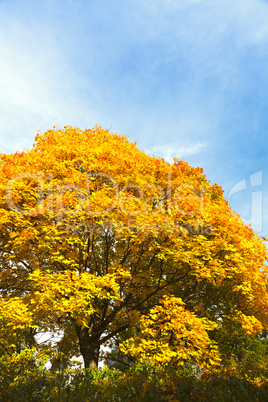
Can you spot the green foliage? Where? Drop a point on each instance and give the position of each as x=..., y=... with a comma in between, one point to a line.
x=23, y=377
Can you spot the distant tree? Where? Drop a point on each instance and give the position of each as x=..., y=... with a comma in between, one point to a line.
x=102, y=242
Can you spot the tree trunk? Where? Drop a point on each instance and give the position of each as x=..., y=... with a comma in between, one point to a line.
x=89, y=351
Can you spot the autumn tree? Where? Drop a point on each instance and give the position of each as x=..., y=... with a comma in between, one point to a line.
x=100, y=241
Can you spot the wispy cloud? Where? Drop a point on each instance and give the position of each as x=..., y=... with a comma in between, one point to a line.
x=39, y=87
x=175, y=150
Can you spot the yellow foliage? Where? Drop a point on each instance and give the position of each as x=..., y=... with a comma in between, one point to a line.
x=170, y=333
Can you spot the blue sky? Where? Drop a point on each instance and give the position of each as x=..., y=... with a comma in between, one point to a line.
x=183, y=78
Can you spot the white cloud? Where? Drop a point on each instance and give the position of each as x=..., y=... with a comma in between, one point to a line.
x=39, y=88
x=175, y=150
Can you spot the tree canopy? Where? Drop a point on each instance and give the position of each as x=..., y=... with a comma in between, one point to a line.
x=104, y=244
